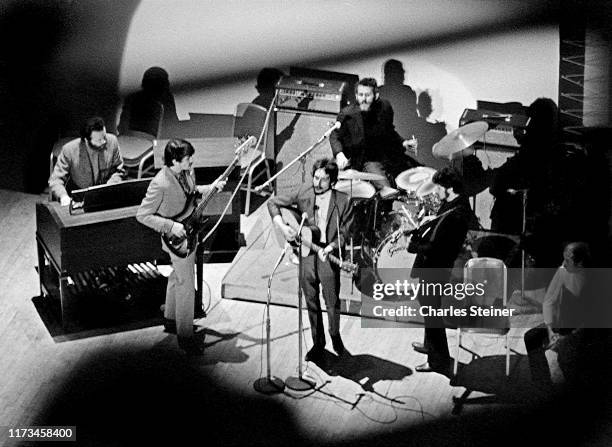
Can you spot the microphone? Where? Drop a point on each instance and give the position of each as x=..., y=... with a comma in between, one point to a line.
x=299, y=232
x=304, y=217
x=336, y=125
x=513, y=191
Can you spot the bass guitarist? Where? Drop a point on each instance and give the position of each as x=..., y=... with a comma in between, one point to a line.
x=167, y=196
x=330, y=215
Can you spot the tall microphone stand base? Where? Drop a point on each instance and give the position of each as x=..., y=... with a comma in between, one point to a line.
x=299, y=384
x=269, y=385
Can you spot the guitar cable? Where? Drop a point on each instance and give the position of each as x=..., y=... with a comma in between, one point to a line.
x=229, y=202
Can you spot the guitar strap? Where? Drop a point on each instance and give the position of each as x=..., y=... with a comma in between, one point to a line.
x=338, y=225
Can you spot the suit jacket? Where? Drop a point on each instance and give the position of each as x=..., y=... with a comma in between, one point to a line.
x=73, y=169
x=350, y=138
x=340, y=211
x=440, y=241
x=165, y=198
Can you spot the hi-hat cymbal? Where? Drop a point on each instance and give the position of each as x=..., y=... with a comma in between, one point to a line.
x=452, y=145
x=351, y=174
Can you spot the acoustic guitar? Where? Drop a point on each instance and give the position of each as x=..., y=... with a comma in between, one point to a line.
x=308, y=235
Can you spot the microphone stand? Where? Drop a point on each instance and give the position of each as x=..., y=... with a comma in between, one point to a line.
x=299, y=383
x=298, y=158
x=270, y=384
x=524, y=200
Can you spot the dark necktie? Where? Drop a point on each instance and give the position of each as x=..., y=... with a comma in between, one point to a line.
x=183, y=181
x=100, y=180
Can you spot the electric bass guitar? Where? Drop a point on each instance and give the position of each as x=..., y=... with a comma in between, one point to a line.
x=192, y=217
x=307, y=241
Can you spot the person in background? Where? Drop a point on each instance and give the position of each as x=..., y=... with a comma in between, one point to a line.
x=563, y=309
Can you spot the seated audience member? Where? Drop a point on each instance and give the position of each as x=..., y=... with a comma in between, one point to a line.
x=92, y=159
x=561, y=309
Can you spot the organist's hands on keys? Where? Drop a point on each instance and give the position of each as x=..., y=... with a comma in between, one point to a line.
x=92, y=159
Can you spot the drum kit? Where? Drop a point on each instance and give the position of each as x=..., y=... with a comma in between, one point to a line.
x=384, y=221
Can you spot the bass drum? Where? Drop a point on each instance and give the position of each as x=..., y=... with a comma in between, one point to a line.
x=393, y=261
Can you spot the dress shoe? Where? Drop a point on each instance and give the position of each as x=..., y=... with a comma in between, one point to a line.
x=192, y=346
x=337, y=344
x=170, y=326
x=428, y=367
x=199, y=312
x=315, y=354
x=420, y=347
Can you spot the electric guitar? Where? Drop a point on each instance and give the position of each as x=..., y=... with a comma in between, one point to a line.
x=192, y=217
x=307, y=241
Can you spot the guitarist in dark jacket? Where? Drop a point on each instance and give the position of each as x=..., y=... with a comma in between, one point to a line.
x=437, y=245
x=167, y=196
x=329, y=213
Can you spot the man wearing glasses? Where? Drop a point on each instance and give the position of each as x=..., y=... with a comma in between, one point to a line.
x=92, y=159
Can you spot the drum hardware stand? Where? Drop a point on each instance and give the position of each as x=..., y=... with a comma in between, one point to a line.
x=299, y=383
x=270, y=384
x=299, y=157
x=524, y=200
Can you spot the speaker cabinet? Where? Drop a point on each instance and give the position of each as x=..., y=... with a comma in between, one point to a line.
x=296, y=132
x=226, y=238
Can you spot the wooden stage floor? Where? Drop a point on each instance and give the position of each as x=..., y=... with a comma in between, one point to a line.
x=135, y=387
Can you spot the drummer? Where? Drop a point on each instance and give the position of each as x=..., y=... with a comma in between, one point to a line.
x=367, y=139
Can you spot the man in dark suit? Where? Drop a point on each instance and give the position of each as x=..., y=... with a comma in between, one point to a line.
x=93, y=159
x=367, y=139
x=437, y=245
x=330, y=214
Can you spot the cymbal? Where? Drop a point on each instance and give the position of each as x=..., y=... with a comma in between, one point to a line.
x=351, y=174
x=452, y=145
x=425, y=189
x=411, y=179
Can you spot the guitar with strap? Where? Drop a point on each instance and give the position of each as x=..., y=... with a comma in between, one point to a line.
x=192, y=217
x=289, y=216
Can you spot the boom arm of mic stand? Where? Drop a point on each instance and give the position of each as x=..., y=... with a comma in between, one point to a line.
x=294, y=161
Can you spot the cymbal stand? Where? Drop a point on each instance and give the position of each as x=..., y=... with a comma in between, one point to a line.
x=270, y=384
x=299, y=383
x=524, y=201
x=352, y=236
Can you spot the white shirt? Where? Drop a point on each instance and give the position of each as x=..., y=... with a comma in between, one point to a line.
x=321, y=209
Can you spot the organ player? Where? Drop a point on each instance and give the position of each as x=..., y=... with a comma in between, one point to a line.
x=92, y=159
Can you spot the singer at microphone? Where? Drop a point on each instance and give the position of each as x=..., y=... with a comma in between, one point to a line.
x=329, y=214
x=367, y=139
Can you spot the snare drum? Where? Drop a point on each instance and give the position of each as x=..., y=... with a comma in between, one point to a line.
x=356, y=189
x=402, y=213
